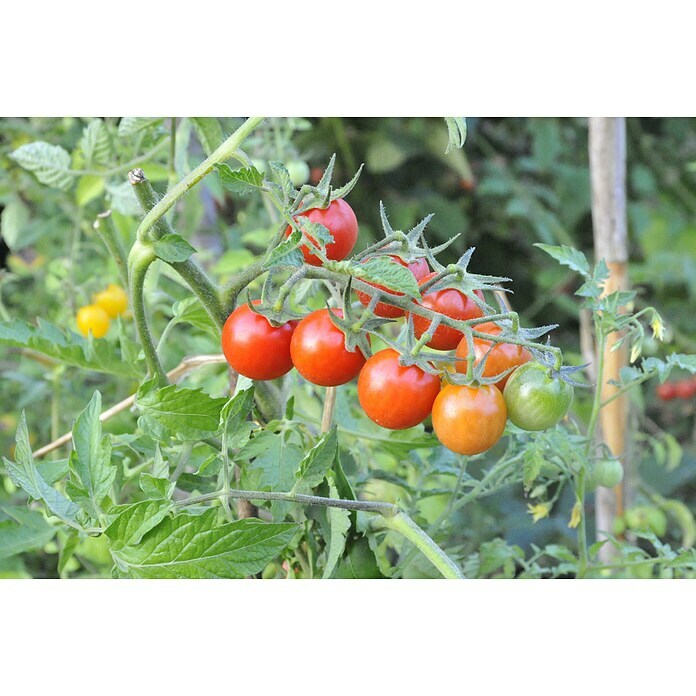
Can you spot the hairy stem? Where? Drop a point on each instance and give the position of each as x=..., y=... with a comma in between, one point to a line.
x=104, y=227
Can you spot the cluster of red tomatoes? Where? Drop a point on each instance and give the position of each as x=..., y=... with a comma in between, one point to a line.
x=682, y=389
x=467, y=419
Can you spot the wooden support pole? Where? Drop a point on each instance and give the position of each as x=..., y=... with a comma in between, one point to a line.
x=607, y=142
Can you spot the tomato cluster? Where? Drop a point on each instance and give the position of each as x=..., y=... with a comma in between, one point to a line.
x=682, y=389
x=467, y=419
x=95, y=318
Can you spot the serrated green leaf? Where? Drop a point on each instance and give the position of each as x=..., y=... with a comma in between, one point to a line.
x=50, y=164
x=22, y=530
x=190, y=413
x=339, y=521
x=172, y=248
x=190, y=546
x=287, y=253
x=92, y=461
x=191, y=311
x=388, y=273
x=313, y=467
x=129, y=125
x=67, y=347
x=96, y=144
x=131, y=524
x=23, y=473
x=209, y=133
x=567, y=256
x=533, y=462
x=240, y=181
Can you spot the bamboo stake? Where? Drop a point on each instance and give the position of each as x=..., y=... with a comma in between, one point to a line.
x=607, y=143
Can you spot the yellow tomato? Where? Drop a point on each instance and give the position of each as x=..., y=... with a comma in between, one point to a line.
x=94, y=319
x=113, y=300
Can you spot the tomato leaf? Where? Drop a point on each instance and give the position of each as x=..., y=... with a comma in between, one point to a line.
x=568, y=256
x=190, y=413
x=388, y=273
x=91, y=457
x=313, y=467
x=23, y=473
x=50, y=164
x=456, y=133
x=22, y=530
x=287, y=253
x=96, y=144
x=131, y=524
x=67, y=347
x=240, y=181
x=172, y=248
x=195, y=546
x=209, y=133
x=339, y=523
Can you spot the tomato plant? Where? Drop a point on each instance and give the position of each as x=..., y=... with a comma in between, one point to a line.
x=534, y=400
x=182, y=460
x=469, y=420
x=255, y=348
x=395, y=396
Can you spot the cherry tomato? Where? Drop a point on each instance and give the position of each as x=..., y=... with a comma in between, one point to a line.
x=253, y=347
x=666, y=391
x=340, y=220
x=469, y=420
x=394, y=396
x=534, y=400
x=607, y=473
x=319, y=352
x=113, y=300
x=684, y=389
x=451, y=303
x=419, y=268
x=92, y=319
x=501, y=356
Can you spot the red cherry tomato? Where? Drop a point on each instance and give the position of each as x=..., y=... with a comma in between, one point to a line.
x=340, y=220
x=666, y=391
x=451, y=303
x=684, y=389
x=469, y=420
x=501, y=356
x=394, y=396
x=419, y=268
x=253, y=347
x=319, y=352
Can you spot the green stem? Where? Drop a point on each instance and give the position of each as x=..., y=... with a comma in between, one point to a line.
x=223, y=153
x=189, y=270
x=104, y=227
x=405, y=526
x=139, y=261
x=392, y=518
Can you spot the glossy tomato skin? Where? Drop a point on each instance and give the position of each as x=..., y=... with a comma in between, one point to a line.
x=253, y=347
x=93, y=319
x=534, y=400
x=469, y=420
x=502, y=356
x=340, y=220
x=451, y=303
x=393, y=396
x=319, y=351
x=607, y=473
x=419, y=268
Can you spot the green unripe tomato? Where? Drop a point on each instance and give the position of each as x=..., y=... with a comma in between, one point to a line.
x=657, y=521
x=299, y=172
x=647, y=518
x=618, y=527
x=534, y=400
x=607, y=473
